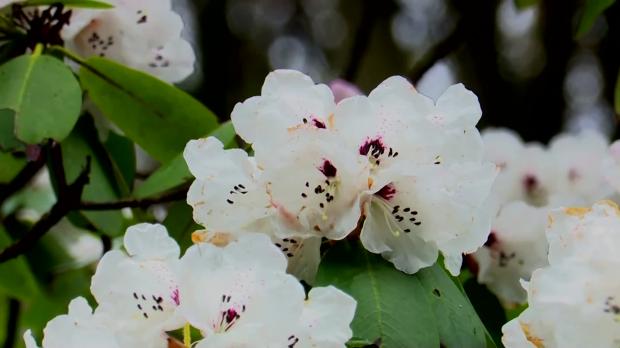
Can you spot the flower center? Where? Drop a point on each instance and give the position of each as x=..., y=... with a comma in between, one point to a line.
x=229, y=315
x=375, y=149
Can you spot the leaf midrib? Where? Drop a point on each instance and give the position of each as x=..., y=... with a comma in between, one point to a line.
x=375, y=294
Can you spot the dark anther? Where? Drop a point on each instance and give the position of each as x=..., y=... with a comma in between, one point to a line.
x=40, y=26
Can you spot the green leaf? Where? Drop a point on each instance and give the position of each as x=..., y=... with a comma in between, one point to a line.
x=156, y=115
x=70, y=3
x=592, y=9
x=123, y=155
x=457, y=321
x=103, y=186
x=17, y=279
x=487, y=306
x=391, y=306
x=422, y=310
x=175, y=172
x=180, y=224
x=10, y=166
x=8, y=140
x=43, y=93
x=522, y=4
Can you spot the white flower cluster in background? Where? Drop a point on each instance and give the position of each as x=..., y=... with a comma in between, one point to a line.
x=533, y=180
x=403, y=171
x=575, y=301
x=142, y=34
x=237, y=294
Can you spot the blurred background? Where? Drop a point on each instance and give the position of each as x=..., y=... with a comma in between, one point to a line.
x=528, y=66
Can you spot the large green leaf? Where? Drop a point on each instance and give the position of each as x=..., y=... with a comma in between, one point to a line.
x=43, y=94
x=175, y=172
x=422, y=310
x=391, y=306
x=16, y=279
x=8, y=140
x=592, y=9
x=180, y=224
x=103, y=186
x=123, y=155
x=156, y=115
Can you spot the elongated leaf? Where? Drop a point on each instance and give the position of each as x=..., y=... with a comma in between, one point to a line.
x=175, y=172
x=180, y=224
x=422, y=310
x=103, y=186
x=16, y=279
x=10, y=166
x=456, y=319
x=157, y=116
x=391, y=306
x=70, y=3
x=592, y=9
x=44, y=95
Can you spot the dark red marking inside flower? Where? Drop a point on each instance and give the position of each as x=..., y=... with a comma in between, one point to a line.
x=231, y=315
x=491, y=240
x=530, y=183
x=328, y=169
x=176, y=298
x=318, y=123
x=373, y=146
x=387, y=192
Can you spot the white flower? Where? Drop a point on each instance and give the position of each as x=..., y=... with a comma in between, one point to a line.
x=611, y=166
x=526, y=170
x=142, y=34
x=515, y=248
x=325, y=320
x=239, y=295
x=316, y=183
x=77, y=329
x=579, y=161
x=423, y=195
x=137, y=291
x=288, y=100
x=226, y=195
x=228, y=198
x=574, y=302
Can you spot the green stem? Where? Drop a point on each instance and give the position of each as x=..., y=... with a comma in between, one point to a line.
x=38, y=49
x=74, y=57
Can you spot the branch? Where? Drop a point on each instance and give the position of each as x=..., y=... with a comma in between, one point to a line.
x=441, y=50
x=68, y=199
x=361, y=40
x=22, y=178
x=11, y=323
x=176, y=195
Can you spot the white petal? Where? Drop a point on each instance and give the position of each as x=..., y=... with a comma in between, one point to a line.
x=326, y=319
x=150, y=241
x=289, y=99
x=459, y=106
x=407, y=251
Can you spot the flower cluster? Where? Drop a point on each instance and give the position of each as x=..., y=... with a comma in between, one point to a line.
x=402, y=171
x=575, y=301
x=534, y=179
x=142, y=34
x=236, y=295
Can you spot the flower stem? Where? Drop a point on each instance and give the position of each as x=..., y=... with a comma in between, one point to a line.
x=65, y=52
x=187, y=336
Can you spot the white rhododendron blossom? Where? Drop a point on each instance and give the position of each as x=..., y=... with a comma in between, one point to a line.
x=515, y=248
x=575, y=301
x=77, y=329
x=570, y=171
x=239, y=295
x=409, y=167
x=142, y=34
x=235, y=291
x=422, y=196
x=149, y=295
